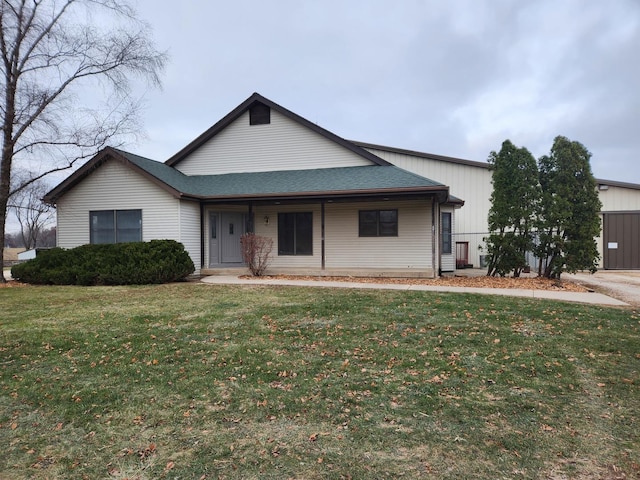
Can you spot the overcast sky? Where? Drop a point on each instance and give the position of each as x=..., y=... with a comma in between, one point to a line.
x=454, y=77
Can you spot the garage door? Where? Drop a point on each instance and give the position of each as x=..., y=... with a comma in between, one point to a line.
x=621, y=241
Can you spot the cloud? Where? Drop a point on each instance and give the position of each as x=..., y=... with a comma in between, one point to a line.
x=454, y=78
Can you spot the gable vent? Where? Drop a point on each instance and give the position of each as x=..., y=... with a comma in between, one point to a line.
x=259, y=114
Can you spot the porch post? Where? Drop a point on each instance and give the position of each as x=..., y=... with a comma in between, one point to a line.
x=434, y=235
x=202, y=235
x=322, y=235
x=250, y=225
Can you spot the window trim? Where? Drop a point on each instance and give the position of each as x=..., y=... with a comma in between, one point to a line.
x=446, y=233
x=114, y=215
x=281, y=232
x=379, y=230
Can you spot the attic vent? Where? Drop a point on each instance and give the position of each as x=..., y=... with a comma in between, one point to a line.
x=259, y=114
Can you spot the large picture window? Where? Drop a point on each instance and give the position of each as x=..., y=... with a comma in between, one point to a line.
x=378, y=223
x=295, y=233
x=446, y=232
x=115, y=226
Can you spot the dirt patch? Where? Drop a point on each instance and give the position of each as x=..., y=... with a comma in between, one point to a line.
x=525, y=283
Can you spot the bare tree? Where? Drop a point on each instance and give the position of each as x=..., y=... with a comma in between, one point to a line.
x=256, y=252
x=32, y=213
x=66, y=83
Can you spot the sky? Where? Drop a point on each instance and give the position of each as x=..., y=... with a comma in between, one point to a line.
x=454, y=77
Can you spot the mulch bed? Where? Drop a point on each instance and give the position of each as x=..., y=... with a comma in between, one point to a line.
x=527, y=283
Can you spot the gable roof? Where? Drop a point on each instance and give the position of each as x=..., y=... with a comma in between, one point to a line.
x=166, y=177
x=245, y=106
x=341, y=182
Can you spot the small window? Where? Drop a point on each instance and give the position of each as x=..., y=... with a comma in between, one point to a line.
x=446, y=232
x=295, y=233
x=378, y=223
x=115, y=226
x=259, y=114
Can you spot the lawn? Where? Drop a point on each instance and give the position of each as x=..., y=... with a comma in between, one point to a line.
x=199, y=382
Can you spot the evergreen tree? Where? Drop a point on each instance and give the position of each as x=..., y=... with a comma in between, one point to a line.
x=568, y=211
x=514, y=200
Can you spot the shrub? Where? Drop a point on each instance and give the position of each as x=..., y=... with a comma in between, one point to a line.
x=256, y=251
x=137, y=263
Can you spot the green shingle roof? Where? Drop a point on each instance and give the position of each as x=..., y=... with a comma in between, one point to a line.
x=374, y=178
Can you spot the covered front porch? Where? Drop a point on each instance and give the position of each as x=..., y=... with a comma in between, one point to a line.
x=381, y=237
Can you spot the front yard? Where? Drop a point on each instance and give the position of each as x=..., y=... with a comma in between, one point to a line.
x=200, y=381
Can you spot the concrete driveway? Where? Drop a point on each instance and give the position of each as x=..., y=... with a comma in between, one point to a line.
x=621, y=284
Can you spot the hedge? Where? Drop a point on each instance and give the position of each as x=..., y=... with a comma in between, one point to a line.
x=136, y=263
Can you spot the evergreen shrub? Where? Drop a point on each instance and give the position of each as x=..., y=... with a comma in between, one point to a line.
x=136, y=263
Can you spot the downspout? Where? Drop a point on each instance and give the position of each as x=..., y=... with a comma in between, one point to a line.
x=433, y=235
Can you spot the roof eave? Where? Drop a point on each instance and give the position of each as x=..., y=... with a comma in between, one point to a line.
x=319, y=195
x=76, y=177
x=99, y=159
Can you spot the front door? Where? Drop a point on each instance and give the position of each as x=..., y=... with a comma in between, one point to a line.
x=225, y=230
x=231, y=228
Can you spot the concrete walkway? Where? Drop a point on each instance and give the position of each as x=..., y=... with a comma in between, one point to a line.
x=587, y=297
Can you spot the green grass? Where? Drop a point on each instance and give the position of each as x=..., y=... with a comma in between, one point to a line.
x=199, y=381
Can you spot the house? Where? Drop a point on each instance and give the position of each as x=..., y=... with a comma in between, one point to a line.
x=618, y=244
x=332, y=207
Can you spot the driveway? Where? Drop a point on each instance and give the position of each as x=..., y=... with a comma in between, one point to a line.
x=621, y=284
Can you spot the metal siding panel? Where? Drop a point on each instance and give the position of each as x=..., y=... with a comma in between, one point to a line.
x=468, y=182
x=623, y=229
x=281, y=145
x=619, y=199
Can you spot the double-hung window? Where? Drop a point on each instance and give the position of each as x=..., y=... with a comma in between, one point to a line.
x=378, y=223
x=295, y=233
x=115, y=226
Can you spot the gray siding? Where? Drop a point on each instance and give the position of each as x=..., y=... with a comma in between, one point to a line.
x=281, y=145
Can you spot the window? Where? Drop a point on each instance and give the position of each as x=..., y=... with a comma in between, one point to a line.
x=115, y=226
x=446, y=232
x=378, y=223
x=295, y=233
x=259, y=114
